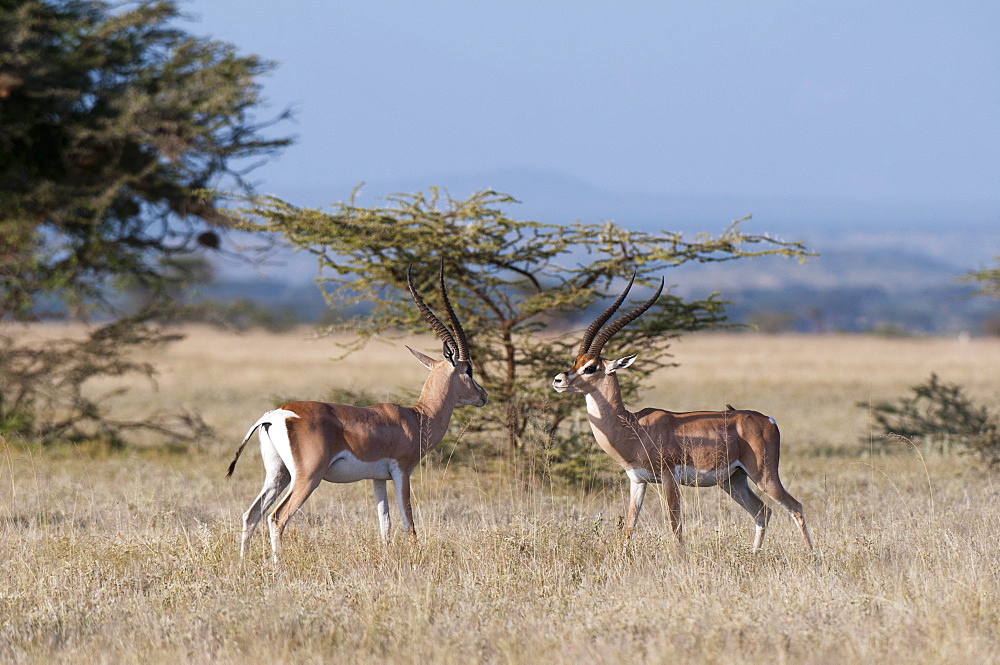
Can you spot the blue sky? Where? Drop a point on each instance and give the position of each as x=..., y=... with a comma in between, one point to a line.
x=832, y=110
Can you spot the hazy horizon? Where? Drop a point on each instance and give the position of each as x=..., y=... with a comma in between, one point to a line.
x=875, y=115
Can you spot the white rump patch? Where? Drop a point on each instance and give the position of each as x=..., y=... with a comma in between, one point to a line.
x=274, y=433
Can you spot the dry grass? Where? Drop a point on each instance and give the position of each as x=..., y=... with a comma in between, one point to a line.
x=132, y=557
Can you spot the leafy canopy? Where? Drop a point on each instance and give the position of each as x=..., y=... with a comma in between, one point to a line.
x=521, y=288
x=114, y=124
x=988, y=278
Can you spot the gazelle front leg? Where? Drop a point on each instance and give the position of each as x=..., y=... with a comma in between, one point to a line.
x=401, y=482
x=637, y=493
x=302, y=487
x=382, y=508
x=672, y=493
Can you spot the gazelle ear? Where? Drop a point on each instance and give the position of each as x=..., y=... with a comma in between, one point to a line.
x=448, y=353
x=426, y=361
x=621, y=363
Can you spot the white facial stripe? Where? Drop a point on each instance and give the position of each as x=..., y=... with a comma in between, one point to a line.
x=570, y=376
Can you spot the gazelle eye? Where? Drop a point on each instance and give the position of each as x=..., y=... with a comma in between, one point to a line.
x=468, y=370
x=590, y=369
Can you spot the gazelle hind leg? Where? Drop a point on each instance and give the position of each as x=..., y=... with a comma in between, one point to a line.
x=672, y=493
x=288, y=506
x=775, y=490
x=736, y=486
x=637, y=493
x=276, y=479
x=274, y=485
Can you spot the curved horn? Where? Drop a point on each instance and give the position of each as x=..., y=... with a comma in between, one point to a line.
x=588, y=336
x=606, y=334
x=442, y=332
x=463, y=341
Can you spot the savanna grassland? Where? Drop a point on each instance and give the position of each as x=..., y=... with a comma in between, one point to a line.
x=132, y=557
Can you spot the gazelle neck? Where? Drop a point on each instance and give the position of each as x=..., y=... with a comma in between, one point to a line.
x=435, y=405
x=613, y=425
x=606, y=399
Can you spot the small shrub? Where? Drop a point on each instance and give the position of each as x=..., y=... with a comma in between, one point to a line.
x=772, y=321
x=241, y=314
x=940, y=414
x=45, y=396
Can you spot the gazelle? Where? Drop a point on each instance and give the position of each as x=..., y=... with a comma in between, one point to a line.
x=698, y=449
x=305, y=443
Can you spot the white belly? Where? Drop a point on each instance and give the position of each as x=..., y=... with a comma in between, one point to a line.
x=346, y=468
x=692, y=477
x=686, y=475
x=638, y=475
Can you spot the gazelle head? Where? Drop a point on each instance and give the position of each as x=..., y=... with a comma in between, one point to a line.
x=590, y=369
x=457, y=365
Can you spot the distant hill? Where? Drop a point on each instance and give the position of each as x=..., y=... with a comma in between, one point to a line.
x=886, y=266
x=967, y=231
x=860, y=289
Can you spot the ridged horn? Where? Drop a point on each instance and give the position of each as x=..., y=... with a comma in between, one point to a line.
x=463, y=341
x=442, y=331
x=588, y=336
x=598, y=345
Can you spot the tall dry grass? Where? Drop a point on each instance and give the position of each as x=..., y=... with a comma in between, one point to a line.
x=133, y=557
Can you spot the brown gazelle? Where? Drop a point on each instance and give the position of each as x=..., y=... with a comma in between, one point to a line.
x=699, y=449
x=305, y=443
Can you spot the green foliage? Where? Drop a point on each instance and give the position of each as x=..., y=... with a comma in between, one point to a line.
x=988, y=278
x=519, y=287
x=989, y=285
x=113, y=125
x=241, y=314
x=940, y=414
x=772, y=321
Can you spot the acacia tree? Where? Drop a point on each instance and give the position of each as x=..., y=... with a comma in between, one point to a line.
x=113, y=126
x=989, y=286
x=988, y=278
x=517, y=285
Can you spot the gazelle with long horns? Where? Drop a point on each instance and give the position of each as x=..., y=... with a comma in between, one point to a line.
x=699, y=449
x=305, y=443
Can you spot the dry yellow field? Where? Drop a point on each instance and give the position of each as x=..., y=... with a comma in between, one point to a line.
x=133, y=557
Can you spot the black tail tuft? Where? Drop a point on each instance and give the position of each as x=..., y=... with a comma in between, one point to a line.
x=239, y=451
